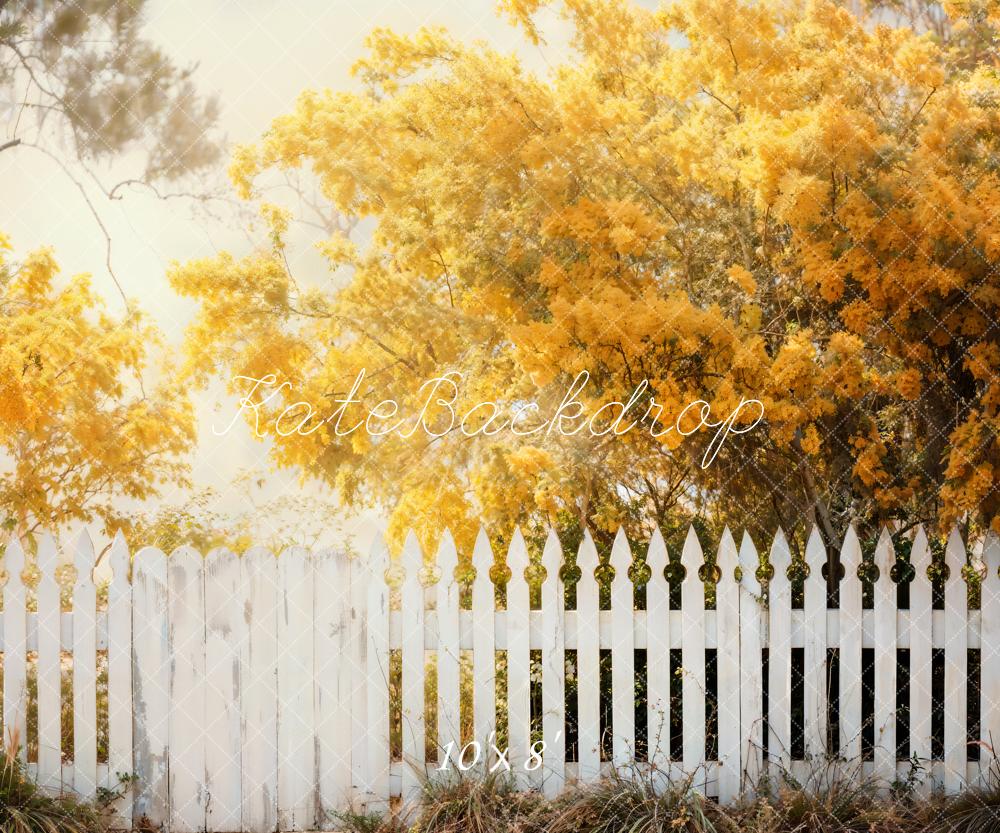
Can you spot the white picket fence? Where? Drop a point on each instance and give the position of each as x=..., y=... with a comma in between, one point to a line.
x=253, y=693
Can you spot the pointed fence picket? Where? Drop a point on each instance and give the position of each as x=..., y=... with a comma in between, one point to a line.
x=259, y=692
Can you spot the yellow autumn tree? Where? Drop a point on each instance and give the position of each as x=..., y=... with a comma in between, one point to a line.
x=729, y=200
x=81, y=433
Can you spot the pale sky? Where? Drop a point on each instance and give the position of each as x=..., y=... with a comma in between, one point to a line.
x=257, y=55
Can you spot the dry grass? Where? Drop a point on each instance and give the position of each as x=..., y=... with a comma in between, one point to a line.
x=26, y=808
x=832, y=799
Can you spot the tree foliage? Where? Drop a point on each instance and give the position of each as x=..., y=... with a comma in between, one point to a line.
x=87, y=69
x=81, y=432
x=730, y=199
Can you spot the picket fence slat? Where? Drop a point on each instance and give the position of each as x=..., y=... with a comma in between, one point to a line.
x=693, y=686
x=658, y=654
x=356, y=669
x=814, y=674
x=377, y=676
x=15, y=668
x=955, y=664
x=84, y=670
x=885, y=661
x=448, y=650
x=779, y=655
x=49, y=667
x=751, y=665
x=260, y=691
x=186, y=730
x=850, y=647
x=727, y=603
x=226, y=634
x=920, y=647
x=588, y=661
x=989, y=694
x=331, y=579
x=257, y=692
x=119, y=647
x=483, y=643
x=413, y=665
x=622, y=654
x=518, y=658
x=296, y=746
x=151, y=683
x=553, y=667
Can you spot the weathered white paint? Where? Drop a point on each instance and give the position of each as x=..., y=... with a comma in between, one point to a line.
x=553, y=666
x=850, y=647
x=658, y=654
x=296, y=743
x=151, y=683
x=253, y=692
x=885, y=661
x=260, y=691
x=119, y=644
x=377, y=673
x=84, y=670
x=727, y=605
x=989, y=695
x=15, y=670
x=751, y=667
x=814, y=651
x=186, y=730
x=331, y=632
x=226, y=634
x=414, y=663
x=622, y=655
x=49, y=668
x=920, y=633
x=779, y=635
x=448, y=651
x=693, y=656
x=955, y=664
x=518, y=658
x=588, y=658
x=483, y=643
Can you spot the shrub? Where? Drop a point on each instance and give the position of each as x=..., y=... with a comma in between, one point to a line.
x=26, y=808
